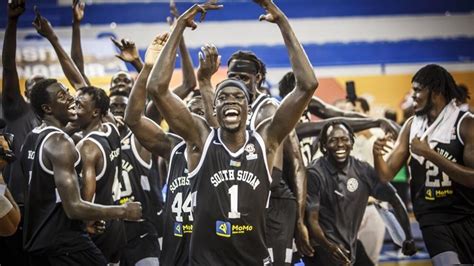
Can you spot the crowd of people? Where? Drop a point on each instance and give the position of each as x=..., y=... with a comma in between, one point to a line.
x=93, y=178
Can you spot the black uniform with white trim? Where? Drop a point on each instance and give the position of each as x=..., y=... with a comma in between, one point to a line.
x=140, y=182
x=108, y=190
x=178, y=218
x=49, y=235
x=230, y=193
x=441, y=204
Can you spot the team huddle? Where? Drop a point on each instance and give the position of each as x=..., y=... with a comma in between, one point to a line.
x=232, y=182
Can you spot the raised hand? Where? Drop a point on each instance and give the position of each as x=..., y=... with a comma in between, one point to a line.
x=273, y=14
x=188, y=16
x=174, y=13
x=128, y=50
x=154, y=49
x=15, y=8
x=78, y=10
x=209, y=62
x=42, y=25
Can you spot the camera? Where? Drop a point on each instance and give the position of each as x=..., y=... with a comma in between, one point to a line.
x=6, y=153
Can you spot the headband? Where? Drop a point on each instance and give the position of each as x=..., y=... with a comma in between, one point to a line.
x=245, y=66
x=232, y=83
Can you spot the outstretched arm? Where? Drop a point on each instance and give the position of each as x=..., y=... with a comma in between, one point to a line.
x=72, y=73
x=171, y=106
x=310, y=129
x=189, y=78
x=13, y=103
x=128, y=53
x=209, y=62
x=462, y=174
x=148, y=133
x=323, y=110
x=292, y=107
x=76, y=47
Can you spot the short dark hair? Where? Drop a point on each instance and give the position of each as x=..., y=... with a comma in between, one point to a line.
x=39, y=95
x=363, y=103
x=286, y=84
x=436, y=78
x=101, y=100
x=323, y=135
x=252, y=57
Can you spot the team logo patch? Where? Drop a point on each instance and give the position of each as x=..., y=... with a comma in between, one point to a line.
x=352, y=184
x=178, y=229
x=250, y=149
x=223, y=229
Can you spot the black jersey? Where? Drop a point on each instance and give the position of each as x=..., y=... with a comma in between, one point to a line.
x=437, y=199
x=178, y=218
x=108, y=188
x=307, y=146
x=140, y=182
x=230, y=193
x=47, y=229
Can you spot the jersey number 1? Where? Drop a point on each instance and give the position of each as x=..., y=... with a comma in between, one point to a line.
x=234, y=202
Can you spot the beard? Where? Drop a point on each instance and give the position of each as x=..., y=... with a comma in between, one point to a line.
x=426, y=109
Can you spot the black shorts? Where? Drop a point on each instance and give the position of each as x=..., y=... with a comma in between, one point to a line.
x=280, y=228
x=92, y=257
x=112, y=241
x=457, y=237
x=145, y=247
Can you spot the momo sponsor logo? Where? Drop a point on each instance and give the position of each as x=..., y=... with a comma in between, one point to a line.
x=223, y=229
x=226, y=229
x=178, y=229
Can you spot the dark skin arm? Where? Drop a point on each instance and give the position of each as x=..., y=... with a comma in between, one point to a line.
x=14, y=105
x=209, y=62
x=60, y=155
x=128, y=53
x=149, y=134
x=72, y=73
x=92, y=163
x=323, y=110
x=388, y=169
x=338, y=254
x=298, y=184
x=189, y=127
x=76, y=47
x=189, y=78
x=311, y=129
x=462, y=174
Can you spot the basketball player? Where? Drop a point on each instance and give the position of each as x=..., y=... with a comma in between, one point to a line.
x=177, y=223
x=440, y=141
x=230, y=180
x=53, y=229
x=338, y=189
x=101, y=166
x=285, y=209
